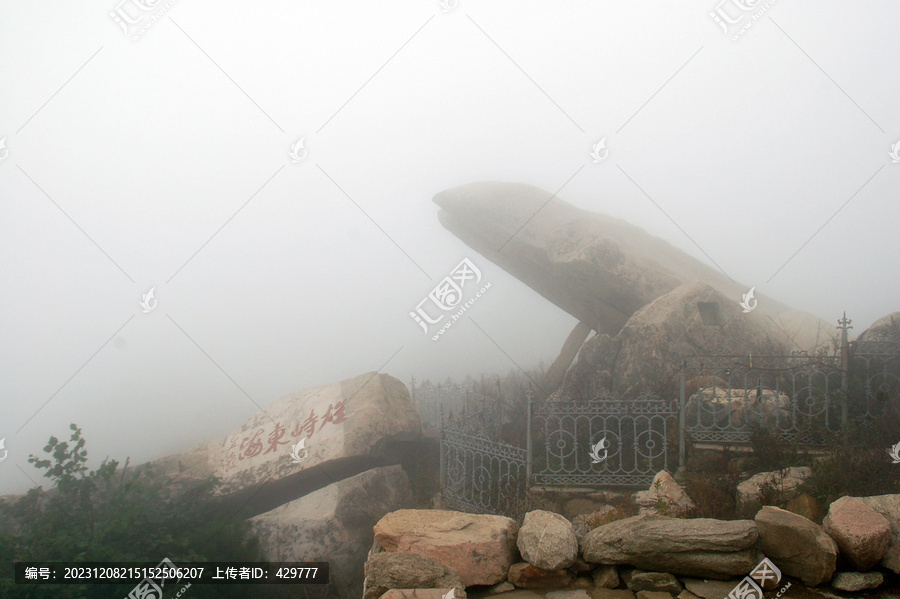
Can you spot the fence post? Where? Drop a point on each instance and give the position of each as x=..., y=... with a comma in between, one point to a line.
x=844, y=323
x=681, y=407
x=528, y=444
x=442, y=471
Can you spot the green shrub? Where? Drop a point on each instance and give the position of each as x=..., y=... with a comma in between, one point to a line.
x=101, y=516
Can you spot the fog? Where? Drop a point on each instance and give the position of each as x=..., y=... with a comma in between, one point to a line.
x=163, y=162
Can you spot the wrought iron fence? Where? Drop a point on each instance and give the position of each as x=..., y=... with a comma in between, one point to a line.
x=479, y=474
x=797, y=398
x=602, y=442
x=807, y=399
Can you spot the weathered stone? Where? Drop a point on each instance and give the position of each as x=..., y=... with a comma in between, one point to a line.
x=599, y=269
x=686, y=594
x=862, y=534
x=857, y=581
x=480, y=547
x=606, y=577
x=889, y=507
x=654, y=581
x=653, y=595
x=806, y=505
x=419, y=593
x=526, y=576
x=581, y=582
x=697, y=547
x=546, y=540
x=709, y=589
x=646, y=353
x=349, y=427
x=666, y=495
x=501, y=587
x=568, y=594
x=783, y=483
x=796, y=545
x=400, y=570
x=334, y=524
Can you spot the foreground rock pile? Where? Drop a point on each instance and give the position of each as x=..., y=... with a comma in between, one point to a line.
x=648, y=556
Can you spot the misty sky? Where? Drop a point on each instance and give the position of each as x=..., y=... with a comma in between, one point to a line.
x=164, y=162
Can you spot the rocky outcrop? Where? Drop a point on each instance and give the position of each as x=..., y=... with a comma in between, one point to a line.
x=861, y=533
x=547, y=540
x=781, y=484
x=599, y=269
x=334, y=524
x=664, y=495
x=481, y=548
x=889, y=507
x=398, y=570
x=797, y=546
x=646, y=354
x=347, y=428
x=697, y=547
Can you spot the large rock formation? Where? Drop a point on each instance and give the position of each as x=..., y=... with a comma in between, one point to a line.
x=349, y=427
x=698, y=547
x=334, y=524
x=480, y=547
x=796, y=545
x=602, y=270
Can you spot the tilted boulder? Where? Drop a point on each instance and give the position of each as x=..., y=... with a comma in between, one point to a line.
x=862, y=534
x=796, y=545
x=399, y=570
x=698, y=547
x=334, y=524
x=547, y=540
x=481, y=548
x=347, y=428
x=889, y=507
